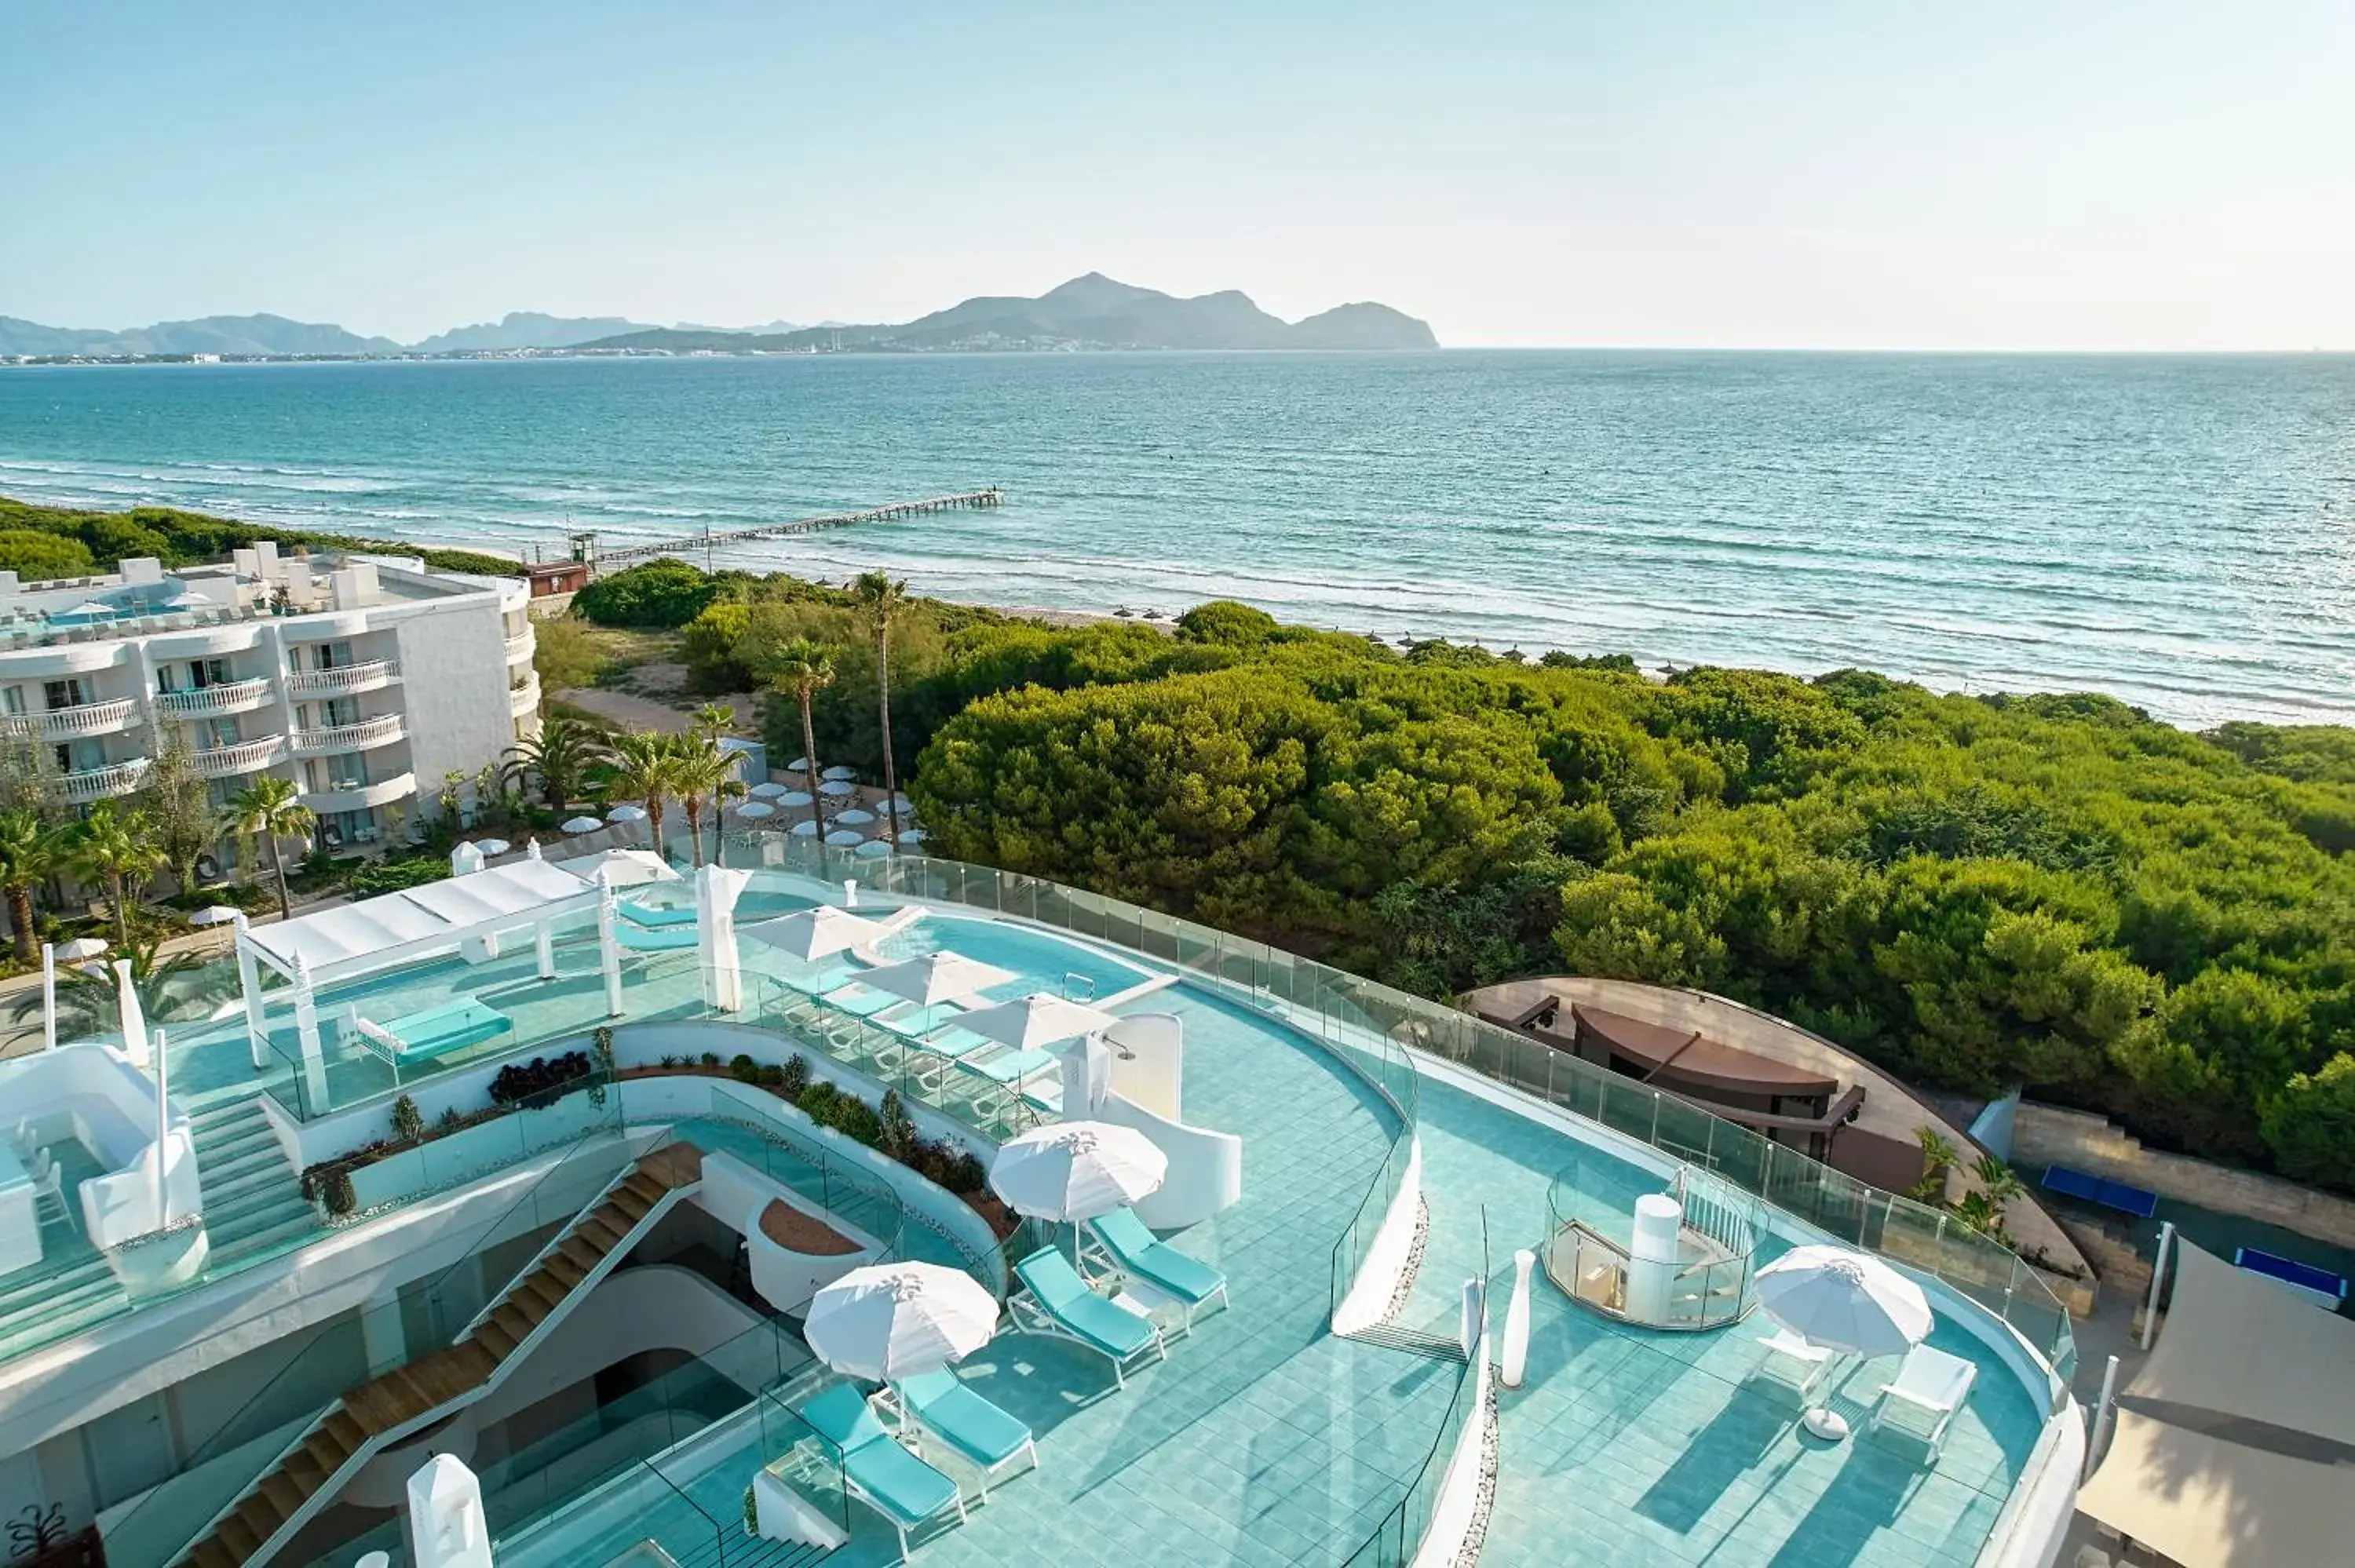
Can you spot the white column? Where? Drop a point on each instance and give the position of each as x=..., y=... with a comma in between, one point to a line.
x=1476, y=1315
x=48, y=996
x=248, y=988
x=1652, y=1257
x=1517, y=1320
x=2102, y=1416
x=306, y=1031
x=545, y=939
x=163, y=1132
x=2157, y=1273
x=610, y=948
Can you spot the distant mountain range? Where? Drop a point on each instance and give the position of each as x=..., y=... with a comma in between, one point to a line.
x=1093, y=311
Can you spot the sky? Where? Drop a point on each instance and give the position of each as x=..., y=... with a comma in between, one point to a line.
x=2149, y=175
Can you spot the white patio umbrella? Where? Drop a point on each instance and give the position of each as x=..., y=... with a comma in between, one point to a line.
x=766, y=791
x=845, y=838
x=1842, y=1300
x=854, y=817
x=799, y=765
x=795, y=798
x=873, y=849
x=804, y=830
x=79, y=949
x=215, y=914
x=493, y=846
x=935, y=978
x=913, y=836
x=582, y=824
x=754, y=810
x=812, y=934
x=1035, y=1021
x=839, y=771
x=838, y=788
x=892, y=1320
x=901, y=804
x=1075, y=1171
x=627, y=813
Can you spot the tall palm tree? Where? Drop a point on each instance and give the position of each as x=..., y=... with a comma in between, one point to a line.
x=557, y=760
x=268, y=807
x=31, y=851
x=701, y=771
x=642, y=766
x=118, y=848
x=881, y=598
x=801, y=669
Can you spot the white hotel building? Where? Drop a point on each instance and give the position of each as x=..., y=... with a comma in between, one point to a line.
x=362, y=678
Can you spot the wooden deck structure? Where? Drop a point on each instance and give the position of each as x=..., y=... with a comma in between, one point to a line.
x=585, y=546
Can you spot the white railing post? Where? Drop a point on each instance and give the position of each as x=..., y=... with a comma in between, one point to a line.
x=2157, y=1272
x=2102, y=1417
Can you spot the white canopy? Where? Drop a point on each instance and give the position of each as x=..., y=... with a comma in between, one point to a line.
x=1034, y=1021
x=2225, y=1448
x=438, y=914
x=622, y=867
x=1077, y=1170
x=811, y=934
x=898, y=1319
x=935, y=978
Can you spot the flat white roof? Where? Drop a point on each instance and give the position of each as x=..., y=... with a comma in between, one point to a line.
x=438, y=913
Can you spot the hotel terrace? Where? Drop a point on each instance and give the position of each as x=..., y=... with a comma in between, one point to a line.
x=544, y=1297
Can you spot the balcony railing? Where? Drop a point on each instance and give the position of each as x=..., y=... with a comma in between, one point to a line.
x=234, y=698
x=523, y=696
x=344, y=681
x=377, y=731
x=519, y=647
x=241, y=756
x=104, y=783
x=82, y=719
x=343, y=795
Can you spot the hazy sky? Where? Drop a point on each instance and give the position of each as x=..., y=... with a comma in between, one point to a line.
x=2143, y=175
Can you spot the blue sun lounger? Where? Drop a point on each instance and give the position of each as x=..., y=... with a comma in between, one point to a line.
x=972, y=1429
x=1138, y=1252
x=638, y=940
x=436, y=1032
x=2091, y=1188
x=1056, y=1302
x=657, y=915
x=876, y=1470
x=2319, y=1286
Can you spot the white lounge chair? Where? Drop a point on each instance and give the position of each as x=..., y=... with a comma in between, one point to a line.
x=1930, y=1388
x=1793, y=1365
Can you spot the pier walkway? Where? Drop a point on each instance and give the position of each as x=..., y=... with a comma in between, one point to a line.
x=707, y=541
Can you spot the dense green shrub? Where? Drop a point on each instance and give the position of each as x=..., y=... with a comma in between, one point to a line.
x=657, y=593
x=35, y=556
x=394, y=875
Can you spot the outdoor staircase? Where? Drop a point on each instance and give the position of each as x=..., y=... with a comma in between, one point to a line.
x=251, y=1202
x=378, y=1414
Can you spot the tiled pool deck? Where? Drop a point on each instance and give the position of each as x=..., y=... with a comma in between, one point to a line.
x=1265, y=1439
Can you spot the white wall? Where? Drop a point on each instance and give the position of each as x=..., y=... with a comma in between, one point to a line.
x=454, y=684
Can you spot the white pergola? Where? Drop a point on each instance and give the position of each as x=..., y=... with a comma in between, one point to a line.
x=467, y=913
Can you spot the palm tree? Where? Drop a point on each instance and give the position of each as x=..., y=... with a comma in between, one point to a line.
x=701, y=771
x=714, y=719
x=170, y=988
x=557, y=759
x=30, y=852
x=115, y=847
x=801, y=669
x=881, y=598
x=643, y=766
x=268, y=807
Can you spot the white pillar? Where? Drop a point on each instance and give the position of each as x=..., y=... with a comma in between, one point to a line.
x=608, y=947
x=445, y=1524
x=2157, y=1273
x=306, y=1034
x=1517, y=1320
x=851, y=893
x=1476, y=1315
x=162, y=1131
x=546, y=936
x=1652, y=1257
x=48, y=996
x=249, y=986
x=2102, y=1417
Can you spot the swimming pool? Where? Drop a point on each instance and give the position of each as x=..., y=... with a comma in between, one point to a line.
x=1040, y=960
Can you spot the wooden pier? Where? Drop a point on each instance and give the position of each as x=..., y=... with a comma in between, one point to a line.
x=585, y=546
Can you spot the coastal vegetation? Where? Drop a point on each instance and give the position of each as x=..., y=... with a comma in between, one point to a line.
x=1976, y=892
x=39, y=542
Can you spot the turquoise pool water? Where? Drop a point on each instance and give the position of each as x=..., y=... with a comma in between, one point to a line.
x=1042, y=961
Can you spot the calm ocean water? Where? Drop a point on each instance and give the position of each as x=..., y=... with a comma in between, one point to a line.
x=2174, y=531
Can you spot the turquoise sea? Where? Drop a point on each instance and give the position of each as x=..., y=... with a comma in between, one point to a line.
x=2179, y=532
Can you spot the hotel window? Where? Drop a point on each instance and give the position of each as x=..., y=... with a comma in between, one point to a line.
x=65, y=693
x=14, y=698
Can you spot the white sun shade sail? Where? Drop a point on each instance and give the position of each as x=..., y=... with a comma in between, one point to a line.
x=810, y=933
x=935, y=978
x=438, y=913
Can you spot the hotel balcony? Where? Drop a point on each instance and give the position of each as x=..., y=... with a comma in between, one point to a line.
x=105, y=783
x=208, y=702
x=75, y=723
x=379, y=731
x=519, y=647
x=361, y=797
x=241, y=756
x=524, y=698
x=346, y=681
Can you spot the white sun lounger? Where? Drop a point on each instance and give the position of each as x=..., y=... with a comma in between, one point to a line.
x=1930, y=1389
